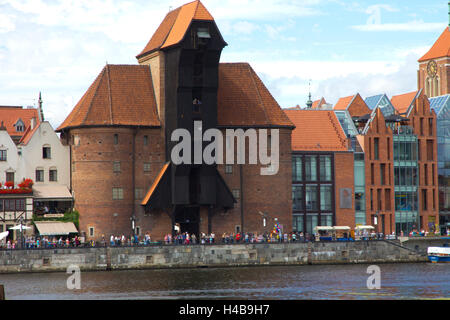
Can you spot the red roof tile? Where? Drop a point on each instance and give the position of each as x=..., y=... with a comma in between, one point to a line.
x=402, y=102
x=316, y=130
x=174, y=26
x=441, y=48
x=243, y=100
x=10, y=115
x=318, y=103
x=120, y=95
x=343, y=103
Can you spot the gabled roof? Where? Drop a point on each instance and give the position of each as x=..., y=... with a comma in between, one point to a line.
x=439, y=103
x=403, y=102
x=174, y=26
x=373, y=101
x=243, y=99
x=318, y=103
x=10, y=115
x=120, y=95
x=441, y=48
x=28, y=134
x=316, y=130
x=343, y=103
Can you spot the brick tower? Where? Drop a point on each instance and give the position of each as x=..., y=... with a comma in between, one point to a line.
x=433, y=75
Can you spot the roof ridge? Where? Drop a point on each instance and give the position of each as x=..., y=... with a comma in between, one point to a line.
x=338, y=132
x=109, y=94
x=99, y=77
x=259, y=94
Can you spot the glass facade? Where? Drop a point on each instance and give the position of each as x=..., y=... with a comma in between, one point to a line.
x=406, y=181
x=441, y=105
x=312, y=191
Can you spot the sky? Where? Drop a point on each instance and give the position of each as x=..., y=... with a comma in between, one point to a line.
x=331, y=48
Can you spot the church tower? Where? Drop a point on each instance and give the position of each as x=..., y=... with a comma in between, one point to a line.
x=434, y=67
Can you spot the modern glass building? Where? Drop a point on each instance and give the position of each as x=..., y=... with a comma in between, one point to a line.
x=441, y=106
x=359, y=166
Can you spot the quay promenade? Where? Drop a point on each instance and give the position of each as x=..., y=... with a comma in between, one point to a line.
x=215, y=255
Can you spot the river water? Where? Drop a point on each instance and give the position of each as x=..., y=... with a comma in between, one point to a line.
x=398, y=281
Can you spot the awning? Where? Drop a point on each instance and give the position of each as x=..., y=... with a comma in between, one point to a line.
x=54, y=228
x=51, y=193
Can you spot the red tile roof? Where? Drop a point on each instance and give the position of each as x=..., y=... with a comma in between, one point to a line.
x=120, y=95
x=10, y=115
x=402, y=102
x=343, y=103
x=441, y=48
x=318, y=103
x=123, y=95
x=316, y=130
x=243, y=99
x=28, y=134
x=174, y=26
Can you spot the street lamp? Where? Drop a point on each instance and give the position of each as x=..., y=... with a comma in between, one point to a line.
x=21, y=231
x=376, y=222
x=133, y=221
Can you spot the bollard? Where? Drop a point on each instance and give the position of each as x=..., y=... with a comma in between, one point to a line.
x=2, y=292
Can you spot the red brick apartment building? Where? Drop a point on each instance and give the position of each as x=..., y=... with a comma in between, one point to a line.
x=119, y=134
x=322, y=171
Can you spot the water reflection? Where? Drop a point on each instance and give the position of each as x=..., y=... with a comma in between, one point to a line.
x=398, y=281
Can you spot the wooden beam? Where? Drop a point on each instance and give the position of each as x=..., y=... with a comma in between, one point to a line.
x=2, y=292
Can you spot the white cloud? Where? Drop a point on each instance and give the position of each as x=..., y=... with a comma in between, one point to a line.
x=6, y=23
x=412, y=26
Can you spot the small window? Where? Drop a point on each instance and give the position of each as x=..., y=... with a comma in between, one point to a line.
x=228, y=168
x=10, y=176
x=117, y=193
x=46, y=152
x=53, y=175
x=39, y=175
x=145, y=140
x=116, y=166
x=2, y=155
x=138, y=193
x=116, y=138
x=146, y=166
x=236, y=193
x=91, y=231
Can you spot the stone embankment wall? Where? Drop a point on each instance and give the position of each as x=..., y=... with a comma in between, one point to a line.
x=191, y=256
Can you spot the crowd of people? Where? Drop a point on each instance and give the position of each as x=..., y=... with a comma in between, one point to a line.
x=180, y=238
x=32, y=242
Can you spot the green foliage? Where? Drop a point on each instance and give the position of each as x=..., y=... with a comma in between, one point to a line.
x=69, y=216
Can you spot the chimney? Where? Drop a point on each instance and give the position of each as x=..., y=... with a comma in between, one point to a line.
x=32, y=123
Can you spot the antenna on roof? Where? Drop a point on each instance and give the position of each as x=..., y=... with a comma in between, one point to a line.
x=309, y=102
x=41, y=112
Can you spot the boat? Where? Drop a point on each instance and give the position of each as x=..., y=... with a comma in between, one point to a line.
x=439, y=254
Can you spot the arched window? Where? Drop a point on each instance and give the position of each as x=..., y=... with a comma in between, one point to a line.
x=436, y=86
x=427, y=87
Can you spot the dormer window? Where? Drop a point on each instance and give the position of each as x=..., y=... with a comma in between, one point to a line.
x=20, y=126
x=203, y=33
